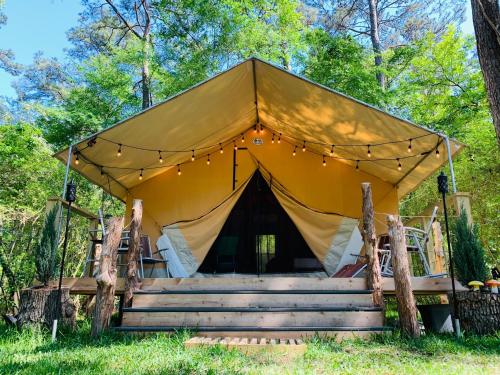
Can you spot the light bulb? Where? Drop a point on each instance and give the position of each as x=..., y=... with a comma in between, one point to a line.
x=357, y=165
x=304, y=147
x=235, y=146
x=179, y=169
x=294, y=151
x=331, y=151
x=272, y=139
x=208, y=159
x=119, y=152
x=437, y=153
x=221, y=149
x=160, y=158
x=243, y=138
x=324, y=161
x=77, y=160
x=279, y=138
x=192, y=155
x=409, y=146
x=399, y=165
x=140, y=176
x=369, y=153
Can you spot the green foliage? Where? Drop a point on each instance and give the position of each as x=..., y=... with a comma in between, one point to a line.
x=343, y=64
x=32, y=352
x=45, y=251
x=468, y=254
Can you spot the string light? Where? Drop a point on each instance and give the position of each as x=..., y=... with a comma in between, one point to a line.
x=235, y=146
x=272, y=139
x=160, y=158
x=192, y=155
x=357, y=165
x=399, y=164
x=294, y=151
x=331, y=151
x=178, y=170
x=77, y=159
x=304, y=147
x=140, y=175
x=409, y=146
x=261, y=129
x=437, y=152
x=208, y=159
x=279, y=138
x=369, y=153
x=255, y=128
x=324, y=161
x=243, y=138
x=221, y=149
x=119, y=152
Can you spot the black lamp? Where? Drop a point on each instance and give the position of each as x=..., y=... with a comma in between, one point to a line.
x=442, y=181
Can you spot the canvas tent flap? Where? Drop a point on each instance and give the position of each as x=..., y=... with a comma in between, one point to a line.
x=228, y=105
x=192, y=239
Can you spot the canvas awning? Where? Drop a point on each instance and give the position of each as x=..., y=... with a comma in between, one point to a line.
x=231, y=103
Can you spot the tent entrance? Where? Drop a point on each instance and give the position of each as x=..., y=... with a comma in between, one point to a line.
x=259, y=237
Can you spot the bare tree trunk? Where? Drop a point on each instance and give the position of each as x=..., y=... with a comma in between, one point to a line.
x=375, y=38
x=407, y=309
x=106, y=279
x=146, y=76
x=39, y=306
x=374, y=276
x=132, y=282
x=486, y=19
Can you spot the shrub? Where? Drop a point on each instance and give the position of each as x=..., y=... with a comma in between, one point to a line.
x=46, y=250
x=468, y=253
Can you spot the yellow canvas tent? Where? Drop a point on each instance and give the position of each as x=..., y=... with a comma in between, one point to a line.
x=284, y=126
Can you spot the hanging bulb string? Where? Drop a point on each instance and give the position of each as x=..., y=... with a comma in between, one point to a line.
x=219, y=145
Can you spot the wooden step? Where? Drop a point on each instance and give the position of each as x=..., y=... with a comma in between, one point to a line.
x=248, y=299
x=287, y=346
x=256, y=319
x=201, y=309
x=251, y=291
x=339, y=333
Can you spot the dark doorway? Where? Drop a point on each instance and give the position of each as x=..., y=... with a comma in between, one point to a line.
x=259, y=237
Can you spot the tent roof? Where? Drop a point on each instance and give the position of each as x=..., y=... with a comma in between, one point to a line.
x=221, y=108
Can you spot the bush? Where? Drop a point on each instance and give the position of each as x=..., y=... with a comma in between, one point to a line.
x=46, y=250
x=468, y=253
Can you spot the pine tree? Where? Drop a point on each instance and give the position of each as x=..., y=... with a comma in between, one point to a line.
x=46, y=250
x=468, y=253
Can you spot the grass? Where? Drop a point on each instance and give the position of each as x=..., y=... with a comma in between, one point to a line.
x=31, y=352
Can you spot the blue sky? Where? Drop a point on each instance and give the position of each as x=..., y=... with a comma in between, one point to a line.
x=41, y=25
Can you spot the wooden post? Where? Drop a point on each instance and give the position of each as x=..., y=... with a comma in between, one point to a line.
x=106, y=279
x=132, y=282
x=407, y=309
x=374, y=277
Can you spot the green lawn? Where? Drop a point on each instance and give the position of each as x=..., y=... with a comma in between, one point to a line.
x=31, y=352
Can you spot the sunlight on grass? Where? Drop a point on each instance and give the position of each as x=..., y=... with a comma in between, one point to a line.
x=31, y=352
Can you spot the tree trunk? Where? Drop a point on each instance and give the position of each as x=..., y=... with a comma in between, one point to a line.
x=106, y=279
x=132, y=282
x=407, y=309
x=486, y=19
x=39, y=306
x=146, y=75
x=374, y=277
x=375, y=38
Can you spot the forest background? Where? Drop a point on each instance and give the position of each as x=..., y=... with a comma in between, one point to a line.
x=408, y=57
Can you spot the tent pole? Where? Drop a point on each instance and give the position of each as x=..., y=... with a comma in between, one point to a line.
x=450, y=162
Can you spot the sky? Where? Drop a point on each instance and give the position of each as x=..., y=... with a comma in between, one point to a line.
x=41, y=25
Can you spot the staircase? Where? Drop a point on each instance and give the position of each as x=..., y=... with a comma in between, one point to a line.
x=255, y=308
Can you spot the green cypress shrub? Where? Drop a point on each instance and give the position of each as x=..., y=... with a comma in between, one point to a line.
x=46, y=250
x=468, y=253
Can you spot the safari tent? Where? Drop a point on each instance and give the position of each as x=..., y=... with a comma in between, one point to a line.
x=191, y=158
x=250, y=184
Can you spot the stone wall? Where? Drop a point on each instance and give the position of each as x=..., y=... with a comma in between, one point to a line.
x=478, y=312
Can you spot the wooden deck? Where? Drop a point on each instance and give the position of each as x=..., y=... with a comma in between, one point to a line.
x=421, y=286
